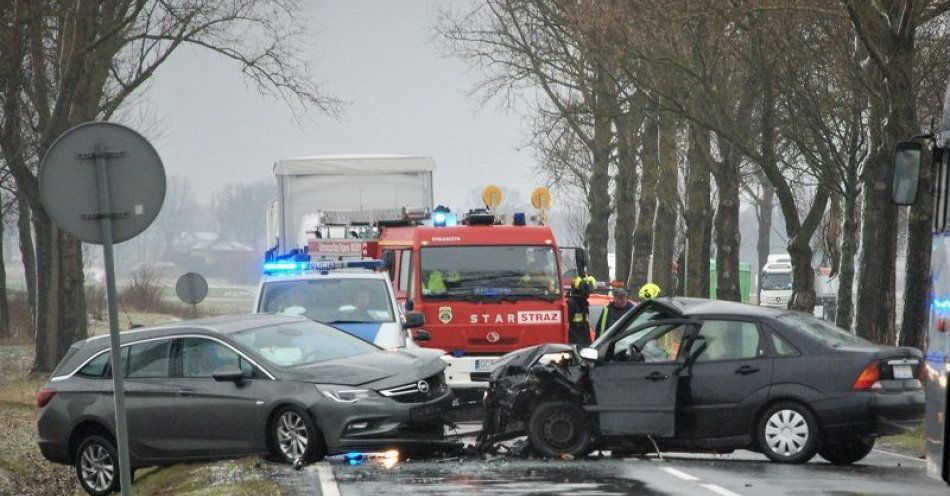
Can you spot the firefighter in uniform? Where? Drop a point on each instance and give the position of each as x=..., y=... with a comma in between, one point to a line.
x=578, y=308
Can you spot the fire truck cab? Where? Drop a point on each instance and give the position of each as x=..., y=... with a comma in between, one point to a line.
x=485, y=290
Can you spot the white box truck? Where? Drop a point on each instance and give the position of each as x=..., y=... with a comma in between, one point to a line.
x=310, y=187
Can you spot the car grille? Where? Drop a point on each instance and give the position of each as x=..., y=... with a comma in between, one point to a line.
x=410, y=393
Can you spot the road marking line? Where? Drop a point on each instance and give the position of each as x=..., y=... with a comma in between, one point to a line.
x=719, y=490
x=680, y=474
x=328, y=486
x=898, y=455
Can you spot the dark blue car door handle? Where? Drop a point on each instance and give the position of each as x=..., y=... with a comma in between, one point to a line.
x=656, y=376
x=747, y=369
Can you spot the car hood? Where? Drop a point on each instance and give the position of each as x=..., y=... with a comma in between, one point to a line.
x=518, y=361
x=379, y=370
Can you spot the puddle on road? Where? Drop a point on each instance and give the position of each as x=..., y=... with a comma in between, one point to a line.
x=488, y=478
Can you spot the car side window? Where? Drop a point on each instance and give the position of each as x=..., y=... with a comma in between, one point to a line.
x=147, y=360
x=650, y=344
x=96, y=368
x=730, y=340
x=781, y=347
x=201, y=357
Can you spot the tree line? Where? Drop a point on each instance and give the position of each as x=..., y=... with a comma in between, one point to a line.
x=663, y=115
x=64, y=63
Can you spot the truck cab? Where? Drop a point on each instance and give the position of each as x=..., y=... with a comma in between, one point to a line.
x=775, y=281
x=485, y=290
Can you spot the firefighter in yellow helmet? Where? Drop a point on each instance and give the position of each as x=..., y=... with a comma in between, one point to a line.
x=578, y=311
x=649, y=291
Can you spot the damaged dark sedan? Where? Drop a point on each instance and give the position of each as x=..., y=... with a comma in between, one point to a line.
x=689, y=374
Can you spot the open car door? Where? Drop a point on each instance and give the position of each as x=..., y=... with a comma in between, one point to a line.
x=635, y=382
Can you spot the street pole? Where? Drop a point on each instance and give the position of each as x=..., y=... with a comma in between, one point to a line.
x=105, y=215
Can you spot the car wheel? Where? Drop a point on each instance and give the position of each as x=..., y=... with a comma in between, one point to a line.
x=97, y=465
x=787, y=433
x=846, y=451
x=558, y=428
x=294, y=436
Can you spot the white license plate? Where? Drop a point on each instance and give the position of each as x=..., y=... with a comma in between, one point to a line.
x=483, y=365
x=903, y=372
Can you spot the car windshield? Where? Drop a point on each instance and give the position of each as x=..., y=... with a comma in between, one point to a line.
x=330, y=300
x=302, y=343
x=821, y=330
x=491, y=271
x=773, y=281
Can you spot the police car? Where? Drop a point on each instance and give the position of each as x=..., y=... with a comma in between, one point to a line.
x=343, y=294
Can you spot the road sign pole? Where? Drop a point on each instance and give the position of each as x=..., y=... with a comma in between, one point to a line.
x=105, y=215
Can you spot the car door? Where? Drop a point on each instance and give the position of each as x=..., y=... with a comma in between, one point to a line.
x=216, y=418
x=635, y=386
x=729, y=380
x=149, y=398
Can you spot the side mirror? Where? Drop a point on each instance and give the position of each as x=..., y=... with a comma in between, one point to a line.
x=421, y=335
x=590, y=354
x=410, y=305
x=413, y=320
x=908, y=158
x=228, y=373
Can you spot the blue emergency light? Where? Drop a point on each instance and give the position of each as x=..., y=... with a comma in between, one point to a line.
x=284, y=268
x=443, y=217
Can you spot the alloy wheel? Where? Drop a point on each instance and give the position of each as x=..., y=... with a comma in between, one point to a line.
x=786, y=432
x=97, y=467
x=292, y=435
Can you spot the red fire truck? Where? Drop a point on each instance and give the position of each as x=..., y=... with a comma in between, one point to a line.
x=485, y=290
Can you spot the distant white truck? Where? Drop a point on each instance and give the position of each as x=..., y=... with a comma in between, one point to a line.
x=311, y=189
x=775, y=286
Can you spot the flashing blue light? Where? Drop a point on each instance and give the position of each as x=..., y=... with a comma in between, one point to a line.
x=519, y=219
x=354, y=458
x=458, y=353
x=941, y=304
x=285, y=266
x=439, y=219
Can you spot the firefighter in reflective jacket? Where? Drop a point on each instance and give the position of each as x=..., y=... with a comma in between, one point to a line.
x=613, y=311
x=578, y=309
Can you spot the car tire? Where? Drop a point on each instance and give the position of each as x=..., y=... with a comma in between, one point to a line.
x=845, y=451
x=559, y=428
x=787, y=433
x=294, y=436
x=97, y=465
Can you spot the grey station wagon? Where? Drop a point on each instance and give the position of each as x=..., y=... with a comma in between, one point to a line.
x=234, y=386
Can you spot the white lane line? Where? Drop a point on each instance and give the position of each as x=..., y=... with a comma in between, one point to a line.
x=719, y=490
x=898, y=455
x=679, y=474
x=328, y=486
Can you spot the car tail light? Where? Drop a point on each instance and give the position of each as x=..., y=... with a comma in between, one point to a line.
x=43, y=397
x=868, y=378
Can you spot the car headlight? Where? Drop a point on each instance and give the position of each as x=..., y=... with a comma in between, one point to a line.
x=558, y=357
x=344, y=394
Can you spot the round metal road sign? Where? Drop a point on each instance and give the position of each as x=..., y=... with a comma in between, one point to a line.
x=69, y=185
x=192, y=288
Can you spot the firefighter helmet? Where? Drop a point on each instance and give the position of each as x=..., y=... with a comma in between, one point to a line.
x=649, y=291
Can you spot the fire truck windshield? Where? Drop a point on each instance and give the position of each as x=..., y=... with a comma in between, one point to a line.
x=465, y=272
x=329, y=300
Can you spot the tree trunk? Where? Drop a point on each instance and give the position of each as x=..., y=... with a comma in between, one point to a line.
x=696, y=264
x=598, y=193
x=643, y=235
x=728, y=238
x=27, y=253
x=664, y=236
x=844, y=302
x=919, y=246
x=4, y=301
x=625, y=184
x=763, y=243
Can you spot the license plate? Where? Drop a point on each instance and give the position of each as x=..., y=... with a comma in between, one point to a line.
x=903, y=372
x=482, y=365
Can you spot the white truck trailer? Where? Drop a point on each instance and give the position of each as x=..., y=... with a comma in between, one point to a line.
x=310, y=188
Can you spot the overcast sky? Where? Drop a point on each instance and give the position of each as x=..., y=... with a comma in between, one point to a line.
x=403, y=97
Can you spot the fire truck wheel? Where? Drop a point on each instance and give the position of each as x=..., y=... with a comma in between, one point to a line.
x=558, y=428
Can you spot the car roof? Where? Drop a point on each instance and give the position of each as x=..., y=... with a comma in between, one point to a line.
x=332, y=274
x=224, y=324
x=704, y=306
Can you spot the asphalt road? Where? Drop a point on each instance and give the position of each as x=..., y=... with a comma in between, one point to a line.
x=743, y=473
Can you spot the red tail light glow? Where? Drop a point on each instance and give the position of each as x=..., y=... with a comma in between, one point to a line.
x=868, y=377
x=44, y=396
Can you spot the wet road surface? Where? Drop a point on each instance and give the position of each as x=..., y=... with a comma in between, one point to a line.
x=743, y=473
